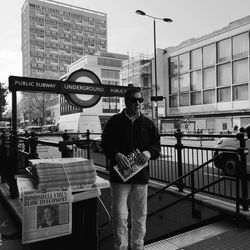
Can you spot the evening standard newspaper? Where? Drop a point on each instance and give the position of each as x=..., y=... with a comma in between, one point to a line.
x=133, y=168
x=46, y=215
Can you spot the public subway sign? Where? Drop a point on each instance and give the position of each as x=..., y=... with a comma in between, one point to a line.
x=72, y=88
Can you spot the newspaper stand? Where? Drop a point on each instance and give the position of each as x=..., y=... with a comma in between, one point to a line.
x=84, y=234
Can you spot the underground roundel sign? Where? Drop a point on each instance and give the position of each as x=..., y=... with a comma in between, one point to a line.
x=83, y=100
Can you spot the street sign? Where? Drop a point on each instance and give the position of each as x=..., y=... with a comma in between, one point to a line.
x=157, y=98
x=84, y=101
x=69, y=88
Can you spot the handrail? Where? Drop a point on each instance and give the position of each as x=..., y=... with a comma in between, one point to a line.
x=182, y=177
x=185, y=197
x=195, y=191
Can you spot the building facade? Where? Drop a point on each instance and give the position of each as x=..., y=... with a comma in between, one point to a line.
x=107, y=67
x=54, y=35
x=207, y=82
x=139, y=70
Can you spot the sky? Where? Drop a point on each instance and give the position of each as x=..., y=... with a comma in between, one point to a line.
x=128, y=33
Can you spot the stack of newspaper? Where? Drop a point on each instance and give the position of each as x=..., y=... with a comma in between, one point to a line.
x=61, y=172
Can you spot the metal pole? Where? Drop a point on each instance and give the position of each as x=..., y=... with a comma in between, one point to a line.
x=156, y=103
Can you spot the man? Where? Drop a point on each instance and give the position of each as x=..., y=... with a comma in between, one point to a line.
x=123, y=133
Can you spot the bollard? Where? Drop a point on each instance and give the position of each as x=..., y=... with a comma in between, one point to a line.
x=243, y=170
x=33, y=144
x=178, y=146
x=88, y=144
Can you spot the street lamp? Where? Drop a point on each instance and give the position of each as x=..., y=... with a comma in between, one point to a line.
x=167, y=20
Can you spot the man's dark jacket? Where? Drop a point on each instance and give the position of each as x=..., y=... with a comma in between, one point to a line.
x=122, y=135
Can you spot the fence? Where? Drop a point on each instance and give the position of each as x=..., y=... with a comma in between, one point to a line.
x=180, y=154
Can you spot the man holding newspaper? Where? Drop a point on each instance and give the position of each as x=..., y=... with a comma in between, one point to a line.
x=129, y=141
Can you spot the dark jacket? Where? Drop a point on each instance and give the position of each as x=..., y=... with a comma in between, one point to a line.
x=121, y=135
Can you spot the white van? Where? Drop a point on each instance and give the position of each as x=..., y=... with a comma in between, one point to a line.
x=80, y=123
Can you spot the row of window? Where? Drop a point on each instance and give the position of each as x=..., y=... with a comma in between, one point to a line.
x=228, y=94
x=109, y=62
x=45, y=21
x=113, y=74
x=218, y=72
x=223, y=51
x=109, y=106
x=226, y=74
x=54, y=12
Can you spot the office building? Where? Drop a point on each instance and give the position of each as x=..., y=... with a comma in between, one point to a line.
x=137, y=70
x=54, y=35
x=208, y=80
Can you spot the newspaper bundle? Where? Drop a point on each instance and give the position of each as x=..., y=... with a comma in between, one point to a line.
x=46, y=215
x=133, y=168
x=79, y=192
x=62, y=172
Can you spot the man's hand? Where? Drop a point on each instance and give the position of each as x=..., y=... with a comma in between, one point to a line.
x=143, y=158
x=122, y=160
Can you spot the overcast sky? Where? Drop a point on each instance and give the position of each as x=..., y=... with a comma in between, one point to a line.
x=128, y=32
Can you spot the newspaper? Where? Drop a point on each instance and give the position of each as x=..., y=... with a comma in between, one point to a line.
x=25, y=184
x=46, y=215
x=133, y=168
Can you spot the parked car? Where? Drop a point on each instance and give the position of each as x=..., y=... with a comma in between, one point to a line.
x=49, y=128
x=228, y=161
x=36, y=129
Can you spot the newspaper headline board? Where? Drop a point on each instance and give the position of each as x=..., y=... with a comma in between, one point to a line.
x=46, y=215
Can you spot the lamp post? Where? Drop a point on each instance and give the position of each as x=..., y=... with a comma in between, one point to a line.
x=168, y=20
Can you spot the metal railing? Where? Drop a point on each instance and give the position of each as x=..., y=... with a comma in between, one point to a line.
x=180, y=155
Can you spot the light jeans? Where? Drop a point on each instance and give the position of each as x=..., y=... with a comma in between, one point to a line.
x=137, y=195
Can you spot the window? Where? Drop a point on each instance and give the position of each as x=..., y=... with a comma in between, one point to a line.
x=240, y=92
x=174, y=85
x=174, y=65
x=173, y=101
x=224, y=95
x=209, y=96
x=240, y=46
x=184, y=62
x=184, y=82
x=196, y=80
x=184, y=99
x=224, y=126
x=109, y=62
x=224, y=50
x=196, y=98
x=209, y=55
x=196, y=59
x=209, y=78
x=110, y=74
x=240, y=71
x=224, y=74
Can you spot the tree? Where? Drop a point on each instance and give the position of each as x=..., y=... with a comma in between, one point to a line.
x=3, y=102
x=33, y=107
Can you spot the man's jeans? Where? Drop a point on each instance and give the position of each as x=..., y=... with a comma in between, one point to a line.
x=138, y=204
